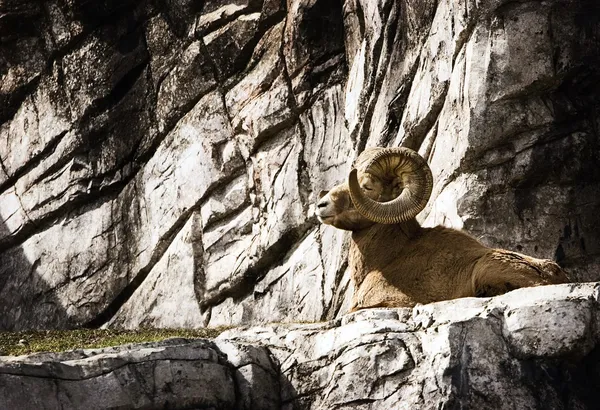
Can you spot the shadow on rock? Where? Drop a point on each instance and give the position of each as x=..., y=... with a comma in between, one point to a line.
x=25, y=295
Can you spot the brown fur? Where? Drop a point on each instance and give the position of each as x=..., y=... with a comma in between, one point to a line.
x=400, y=265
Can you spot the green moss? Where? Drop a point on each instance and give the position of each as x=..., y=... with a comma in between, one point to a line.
x=18, y=343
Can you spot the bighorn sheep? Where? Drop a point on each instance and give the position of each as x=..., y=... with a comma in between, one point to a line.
x=394, y=261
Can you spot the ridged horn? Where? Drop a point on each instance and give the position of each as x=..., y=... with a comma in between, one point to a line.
x=387, y=164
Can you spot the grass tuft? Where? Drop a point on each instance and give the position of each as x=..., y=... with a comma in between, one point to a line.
x=19, y=343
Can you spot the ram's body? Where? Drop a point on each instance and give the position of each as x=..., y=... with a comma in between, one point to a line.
x=395, y=262
x=405, y=264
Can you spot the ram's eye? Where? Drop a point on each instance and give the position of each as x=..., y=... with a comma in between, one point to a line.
x=367, y=188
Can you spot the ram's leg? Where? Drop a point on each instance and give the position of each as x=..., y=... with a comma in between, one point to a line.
x=376, y=291
x=501, y=271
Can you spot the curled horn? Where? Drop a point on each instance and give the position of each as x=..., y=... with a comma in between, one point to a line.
x=389, y=163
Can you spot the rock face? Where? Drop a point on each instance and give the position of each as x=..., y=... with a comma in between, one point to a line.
x=175, y=374
x=158, y=160
x=529, y=349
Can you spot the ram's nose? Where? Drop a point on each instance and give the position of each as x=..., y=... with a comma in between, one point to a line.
x=322, y=205
x=322, y=208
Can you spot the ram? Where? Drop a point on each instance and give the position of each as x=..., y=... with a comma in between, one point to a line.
x=395, y=262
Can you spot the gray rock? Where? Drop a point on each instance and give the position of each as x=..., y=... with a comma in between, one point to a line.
x=167, y=297
x=512, y=351
x=173, y=375
x=531, y=348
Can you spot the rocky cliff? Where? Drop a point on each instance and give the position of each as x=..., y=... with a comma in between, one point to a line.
x=159, y=159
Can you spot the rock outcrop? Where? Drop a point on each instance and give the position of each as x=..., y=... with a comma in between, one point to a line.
x=529, y=349
x=159, y=159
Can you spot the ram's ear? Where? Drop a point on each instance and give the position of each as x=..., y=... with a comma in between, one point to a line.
x=322, y=194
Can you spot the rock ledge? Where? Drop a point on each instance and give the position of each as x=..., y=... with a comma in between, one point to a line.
x=530, y=348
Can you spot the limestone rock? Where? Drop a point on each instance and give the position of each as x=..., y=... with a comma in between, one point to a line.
x=167, y=296
x=531, y=348
x=512, y=351
x=172, y=374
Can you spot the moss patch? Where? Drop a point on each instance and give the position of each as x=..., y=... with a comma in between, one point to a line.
x=18, y=343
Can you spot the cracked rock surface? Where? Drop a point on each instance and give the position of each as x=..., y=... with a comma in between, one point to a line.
x=529, y=349
x=159, y=159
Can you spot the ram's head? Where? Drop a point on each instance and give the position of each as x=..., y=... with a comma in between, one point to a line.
x=386, y=185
